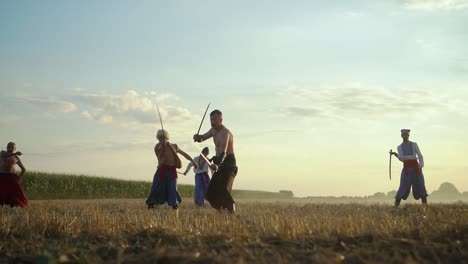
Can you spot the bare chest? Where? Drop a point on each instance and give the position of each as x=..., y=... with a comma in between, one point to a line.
x=218, y=138
x=8, y=164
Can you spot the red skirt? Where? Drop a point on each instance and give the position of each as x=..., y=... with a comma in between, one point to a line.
x=11, y=191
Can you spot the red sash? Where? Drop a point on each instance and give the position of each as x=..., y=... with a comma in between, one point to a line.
x=165, y=168
x=410, y=164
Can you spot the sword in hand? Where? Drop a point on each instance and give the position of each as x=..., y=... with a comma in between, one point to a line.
x=213, y=166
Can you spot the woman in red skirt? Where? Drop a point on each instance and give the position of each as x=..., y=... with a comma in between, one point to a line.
x=11, y=191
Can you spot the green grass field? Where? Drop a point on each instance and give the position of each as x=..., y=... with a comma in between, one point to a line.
x=43, y=186
x=40, y=185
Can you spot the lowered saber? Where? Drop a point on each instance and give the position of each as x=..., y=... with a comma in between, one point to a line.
x=390, y=165
x=206, y=159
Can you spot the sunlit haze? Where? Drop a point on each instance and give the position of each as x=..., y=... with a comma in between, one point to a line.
x=315, y=92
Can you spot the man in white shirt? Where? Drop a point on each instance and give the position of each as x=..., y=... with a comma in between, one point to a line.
x=411, y=174
x=202, y=179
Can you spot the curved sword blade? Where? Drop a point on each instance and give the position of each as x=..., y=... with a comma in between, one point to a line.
x=390, y=166
x=201, y=123
x=160, y=119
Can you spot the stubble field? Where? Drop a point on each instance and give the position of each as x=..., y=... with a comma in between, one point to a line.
x=124, y=231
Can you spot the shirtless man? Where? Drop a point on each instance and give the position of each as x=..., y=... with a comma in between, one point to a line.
x=10, y=158
x=224, y=163
x=11, y=191
x=164, y=187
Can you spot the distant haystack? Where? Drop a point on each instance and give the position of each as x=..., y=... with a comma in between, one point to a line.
x=378, y=196
x=391, y=194
x=446, y=191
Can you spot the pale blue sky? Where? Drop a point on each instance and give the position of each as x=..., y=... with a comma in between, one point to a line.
x=314, y=91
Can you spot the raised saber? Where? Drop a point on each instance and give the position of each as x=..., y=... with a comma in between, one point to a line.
x=160, y=119
x=201, y=123
x=390, y=165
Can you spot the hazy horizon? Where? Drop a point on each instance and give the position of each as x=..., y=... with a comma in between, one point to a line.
x=315, y=93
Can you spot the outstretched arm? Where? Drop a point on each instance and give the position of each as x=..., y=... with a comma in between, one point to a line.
x=187, y=157
x=6, y=154
x=189, y=166
x=201, y=138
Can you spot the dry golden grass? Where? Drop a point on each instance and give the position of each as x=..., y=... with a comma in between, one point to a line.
x=94, y=231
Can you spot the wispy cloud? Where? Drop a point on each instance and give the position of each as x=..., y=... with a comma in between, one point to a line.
x=358, y=101
x=6, y=120
x=51, y=103
x=131, y=108
x=436, y=4
x=115, y=144
x=305, y=111
x=111, y=144
x=105, y=119
x=75, y=89
x=124, y=102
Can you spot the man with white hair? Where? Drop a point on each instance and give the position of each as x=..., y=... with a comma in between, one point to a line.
x=164, y=187
x=411, y=174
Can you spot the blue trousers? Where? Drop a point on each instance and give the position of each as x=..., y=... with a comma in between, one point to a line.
x=411, y=178
x=201, y=186
x=164, y=189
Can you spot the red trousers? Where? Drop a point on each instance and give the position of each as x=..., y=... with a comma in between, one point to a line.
x=11, y=191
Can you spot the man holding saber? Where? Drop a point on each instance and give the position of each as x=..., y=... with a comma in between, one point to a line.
x=411, y=174
x=164, y=187
x=202, y=179
x=224, y=163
